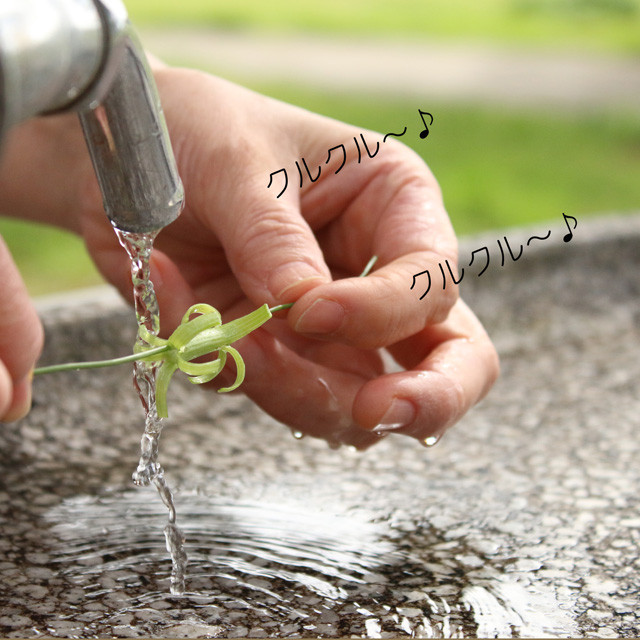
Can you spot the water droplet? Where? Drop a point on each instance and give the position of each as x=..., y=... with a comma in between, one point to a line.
x=298, y=435
x=430, y=441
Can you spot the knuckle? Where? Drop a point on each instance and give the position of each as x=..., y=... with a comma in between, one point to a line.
x=22, y=353
x=269, y=228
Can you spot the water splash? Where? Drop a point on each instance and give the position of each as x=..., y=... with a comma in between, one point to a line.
x=139, y=246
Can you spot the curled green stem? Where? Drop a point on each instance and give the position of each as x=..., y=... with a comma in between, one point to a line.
x=201, y=335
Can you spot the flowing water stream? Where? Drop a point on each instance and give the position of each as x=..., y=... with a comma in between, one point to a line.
x=139, y=246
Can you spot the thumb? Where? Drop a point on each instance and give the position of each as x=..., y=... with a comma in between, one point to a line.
x=273, y=252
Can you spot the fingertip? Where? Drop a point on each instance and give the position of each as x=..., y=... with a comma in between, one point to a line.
x=420, y=405
x=18, y=405
x=372, y=402
x=21, y=331
x=290, y=281
x=400, y=413
x=325, y=311
x=6, y=390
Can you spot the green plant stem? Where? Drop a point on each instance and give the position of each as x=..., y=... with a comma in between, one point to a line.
x=96, y=364
x=280, y=307
x=367, y=269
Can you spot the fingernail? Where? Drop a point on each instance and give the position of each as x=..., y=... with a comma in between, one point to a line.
x=322, y=317
x=400, y=414
x=292, y=278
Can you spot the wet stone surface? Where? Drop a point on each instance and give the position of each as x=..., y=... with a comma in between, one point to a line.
x=523, y=521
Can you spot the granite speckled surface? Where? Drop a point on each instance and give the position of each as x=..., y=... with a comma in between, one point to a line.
x=523, y=521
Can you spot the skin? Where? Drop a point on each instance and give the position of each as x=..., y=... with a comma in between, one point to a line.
x=355, y=358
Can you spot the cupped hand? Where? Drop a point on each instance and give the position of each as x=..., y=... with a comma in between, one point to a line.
x=354, y=359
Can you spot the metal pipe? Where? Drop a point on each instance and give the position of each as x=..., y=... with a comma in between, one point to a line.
x=84, y=55
x=50, y=53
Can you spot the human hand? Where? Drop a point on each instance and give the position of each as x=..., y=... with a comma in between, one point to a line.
x=321, y=369
x=21, y=340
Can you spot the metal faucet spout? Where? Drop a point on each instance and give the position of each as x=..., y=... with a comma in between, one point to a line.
x=127, y=136
x=87, y=57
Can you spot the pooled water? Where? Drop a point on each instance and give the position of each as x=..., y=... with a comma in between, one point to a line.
x=139, y=246
x=275, y=569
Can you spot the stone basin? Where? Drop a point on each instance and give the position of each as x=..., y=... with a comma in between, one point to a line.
x=524, y=521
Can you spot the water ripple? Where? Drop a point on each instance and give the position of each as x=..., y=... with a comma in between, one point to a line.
x=273, y=569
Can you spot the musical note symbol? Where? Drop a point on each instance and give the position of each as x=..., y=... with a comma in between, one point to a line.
x=425, y=133
x=569, y=236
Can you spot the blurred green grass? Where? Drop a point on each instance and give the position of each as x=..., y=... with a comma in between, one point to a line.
x=500, y=168
x=600, y=25
x=497, y=167
x=50, y=260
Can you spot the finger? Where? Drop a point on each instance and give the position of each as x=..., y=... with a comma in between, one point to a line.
x=21, y=340
x=389, y=207
x=273, y=253
x=21, y=333
x=453, y=376
x=310, y=398
x=408, y=229
x=6, y=392
x=362, y=362
x=375, y=311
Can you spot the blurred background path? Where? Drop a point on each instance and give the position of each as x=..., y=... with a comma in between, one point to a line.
x=479, y=73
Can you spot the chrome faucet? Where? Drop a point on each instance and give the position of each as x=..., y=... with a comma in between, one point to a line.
x=84, y=55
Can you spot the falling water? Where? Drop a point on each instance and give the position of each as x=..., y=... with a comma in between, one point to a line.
x=138, y=246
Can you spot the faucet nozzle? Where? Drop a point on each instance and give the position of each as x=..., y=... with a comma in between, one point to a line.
x=84, y=55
